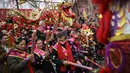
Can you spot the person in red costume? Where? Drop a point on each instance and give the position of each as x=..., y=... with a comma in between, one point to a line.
x=114, y=32
x=106, y=16
x=62, y=54
x=104, y=29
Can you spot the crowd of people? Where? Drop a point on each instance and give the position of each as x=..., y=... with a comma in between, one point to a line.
x=49, y=49
x=59, y=41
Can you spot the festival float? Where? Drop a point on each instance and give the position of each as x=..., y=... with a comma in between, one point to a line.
x=114, y=33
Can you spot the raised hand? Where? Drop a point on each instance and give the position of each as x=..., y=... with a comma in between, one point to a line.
x=30, y=57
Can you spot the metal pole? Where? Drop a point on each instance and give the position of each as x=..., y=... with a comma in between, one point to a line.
x=17, y=4
x=77, y=7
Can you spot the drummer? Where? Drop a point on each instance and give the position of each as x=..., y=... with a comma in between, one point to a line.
x=62, y=53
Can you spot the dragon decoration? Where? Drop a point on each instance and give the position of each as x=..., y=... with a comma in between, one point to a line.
x=66, y=13
x=62, y=13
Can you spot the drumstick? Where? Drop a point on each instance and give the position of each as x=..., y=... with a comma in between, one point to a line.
x=87, y=59
x=80, y=66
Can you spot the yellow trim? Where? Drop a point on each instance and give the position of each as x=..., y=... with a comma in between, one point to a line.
x=37, y=54
x=119, y=38
x=18, y=56
x=121, y=24
x=55, y=49
x=21, y=51
x=55, y=46
x=120, y=61
x=123, y=21
x=121, y=12
x=117, y=8
x=119, y=32
x=63, y=48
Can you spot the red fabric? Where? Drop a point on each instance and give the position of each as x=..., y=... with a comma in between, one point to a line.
x=3, y=27
x=29, y=43
x=30, y=68
x=129, y=10
x=7, y=27
x=105, y=70
x=105, y=21
x=101, y=1
x=104, y=29
x=51, y=48
x=3, y=14
x=104, y=6
x=18, y=53
x=99, y=32
x=96, y=1
x=77, y=44
x=10, y=27
x=62, y=55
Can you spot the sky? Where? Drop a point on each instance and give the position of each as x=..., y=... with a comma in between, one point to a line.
x=12, y=4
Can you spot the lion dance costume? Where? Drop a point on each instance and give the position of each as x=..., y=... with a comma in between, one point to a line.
x=114, y=32
x=67, y=15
